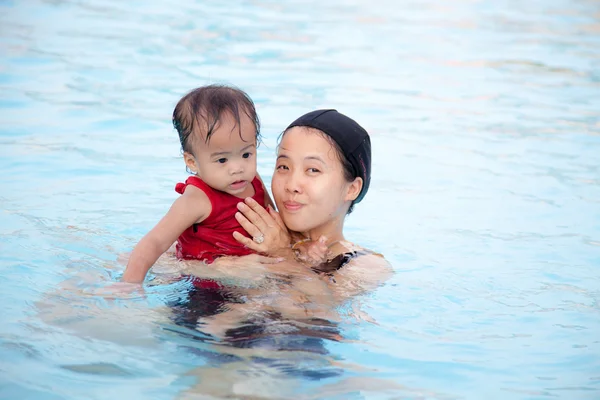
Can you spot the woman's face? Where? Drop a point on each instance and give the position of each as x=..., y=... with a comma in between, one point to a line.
x=308, y=184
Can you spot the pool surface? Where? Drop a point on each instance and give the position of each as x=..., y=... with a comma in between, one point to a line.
x=485, y=198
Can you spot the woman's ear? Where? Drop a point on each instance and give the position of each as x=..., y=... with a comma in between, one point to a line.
x=354, y=189
x=190, y=162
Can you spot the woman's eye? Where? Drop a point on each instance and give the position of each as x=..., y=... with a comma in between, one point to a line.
x=282, y=167
x=313, y=170
x=246, y=155
x=222, y=160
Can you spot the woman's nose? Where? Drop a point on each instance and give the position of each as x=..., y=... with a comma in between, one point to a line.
x=293, y=183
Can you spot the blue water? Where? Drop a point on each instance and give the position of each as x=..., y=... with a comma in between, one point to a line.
x=485, y=123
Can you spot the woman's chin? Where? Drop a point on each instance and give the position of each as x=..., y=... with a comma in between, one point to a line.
x=295, y=224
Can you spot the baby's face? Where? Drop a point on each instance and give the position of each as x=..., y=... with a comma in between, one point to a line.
x=228, y=161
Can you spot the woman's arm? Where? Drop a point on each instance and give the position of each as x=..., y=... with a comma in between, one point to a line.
x=250, y=268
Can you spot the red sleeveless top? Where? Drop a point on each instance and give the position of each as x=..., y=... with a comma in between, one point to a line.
x=213, y=237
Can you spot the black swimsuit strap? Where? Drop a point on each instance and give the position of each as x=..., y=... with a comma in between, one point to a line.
x=330, y=266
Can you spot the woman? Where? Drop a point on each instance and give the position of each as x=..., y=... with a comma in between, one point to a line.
x=323, y=169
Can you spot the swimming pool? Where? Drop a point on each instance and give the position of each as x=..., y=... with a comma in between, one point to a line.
x=485, y=123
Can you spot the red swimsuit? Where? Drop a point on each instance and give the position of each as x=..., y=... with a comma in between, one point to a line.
x=213, y=237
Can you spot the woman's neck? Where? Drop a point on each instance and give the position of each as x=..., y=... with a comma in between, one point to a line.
x=333, y=232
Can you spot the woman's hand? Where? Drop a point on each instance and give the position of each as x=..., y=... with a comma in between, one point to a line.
x=270, y=235
x=313, y=253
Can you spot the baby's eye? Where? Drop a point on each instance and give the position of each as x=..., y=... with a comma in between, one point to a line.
x=222, y=160
x=246, y=155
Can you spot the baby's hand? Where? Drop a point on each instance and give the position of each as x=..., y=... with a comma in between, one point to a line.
x=314, y=253
x=119, y=290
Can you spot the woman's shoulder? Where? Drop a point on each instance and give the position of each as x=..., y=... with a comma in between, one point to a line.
x=360, y=253
x=365, y=265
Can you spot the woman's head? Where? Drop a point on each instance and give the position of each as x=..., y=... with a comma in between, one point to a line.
x=219, y=130
x=323, y=169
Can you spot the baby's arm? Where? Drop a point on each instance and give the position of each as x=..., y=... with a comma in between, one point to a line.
x=191, y=207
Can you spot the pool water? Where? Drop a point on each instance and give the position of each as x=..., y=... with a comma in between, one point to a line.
x=485, y=198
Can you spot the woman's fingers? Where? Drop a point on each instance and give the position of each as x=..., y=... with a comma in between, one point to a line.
x=317, y=255
x=248, y=225
x=249, y=243
x=275, y=215
x=268, y=231
x=259, y=210
x=318, y=251
x=252, y=216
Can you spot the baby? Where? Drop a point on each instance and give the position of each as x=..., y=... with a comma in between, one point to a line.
x=219, y=131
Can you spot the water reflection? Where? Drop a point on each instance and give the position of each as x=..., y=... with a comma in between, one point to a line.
x=245, y=340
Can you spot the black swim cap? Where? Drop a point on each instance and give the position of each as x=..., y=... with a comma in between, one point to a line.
x=349, y=135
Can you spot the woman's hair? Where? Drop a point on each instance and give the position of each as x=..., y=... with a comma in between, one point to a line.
x=347, y=167
x=201, y=109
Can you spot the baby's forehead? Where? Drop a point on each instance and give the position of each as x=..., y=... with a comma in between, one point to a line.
x=225, y=140
x=207, y=125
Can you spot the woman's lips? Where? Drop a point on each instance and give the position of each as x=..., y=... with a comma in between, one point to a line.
x=292, y=205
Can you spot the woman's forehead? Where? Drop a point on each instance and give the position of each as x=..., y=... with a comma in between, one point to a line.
x=303, y=137
x=302, y=144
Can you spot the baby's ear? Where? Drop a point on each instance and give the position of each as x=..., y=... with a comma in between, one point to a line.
x=354, y=189
x=190, y=162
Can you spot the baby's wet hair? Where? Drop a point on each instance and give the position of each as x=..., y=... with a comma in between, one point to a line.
x=201, y=110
